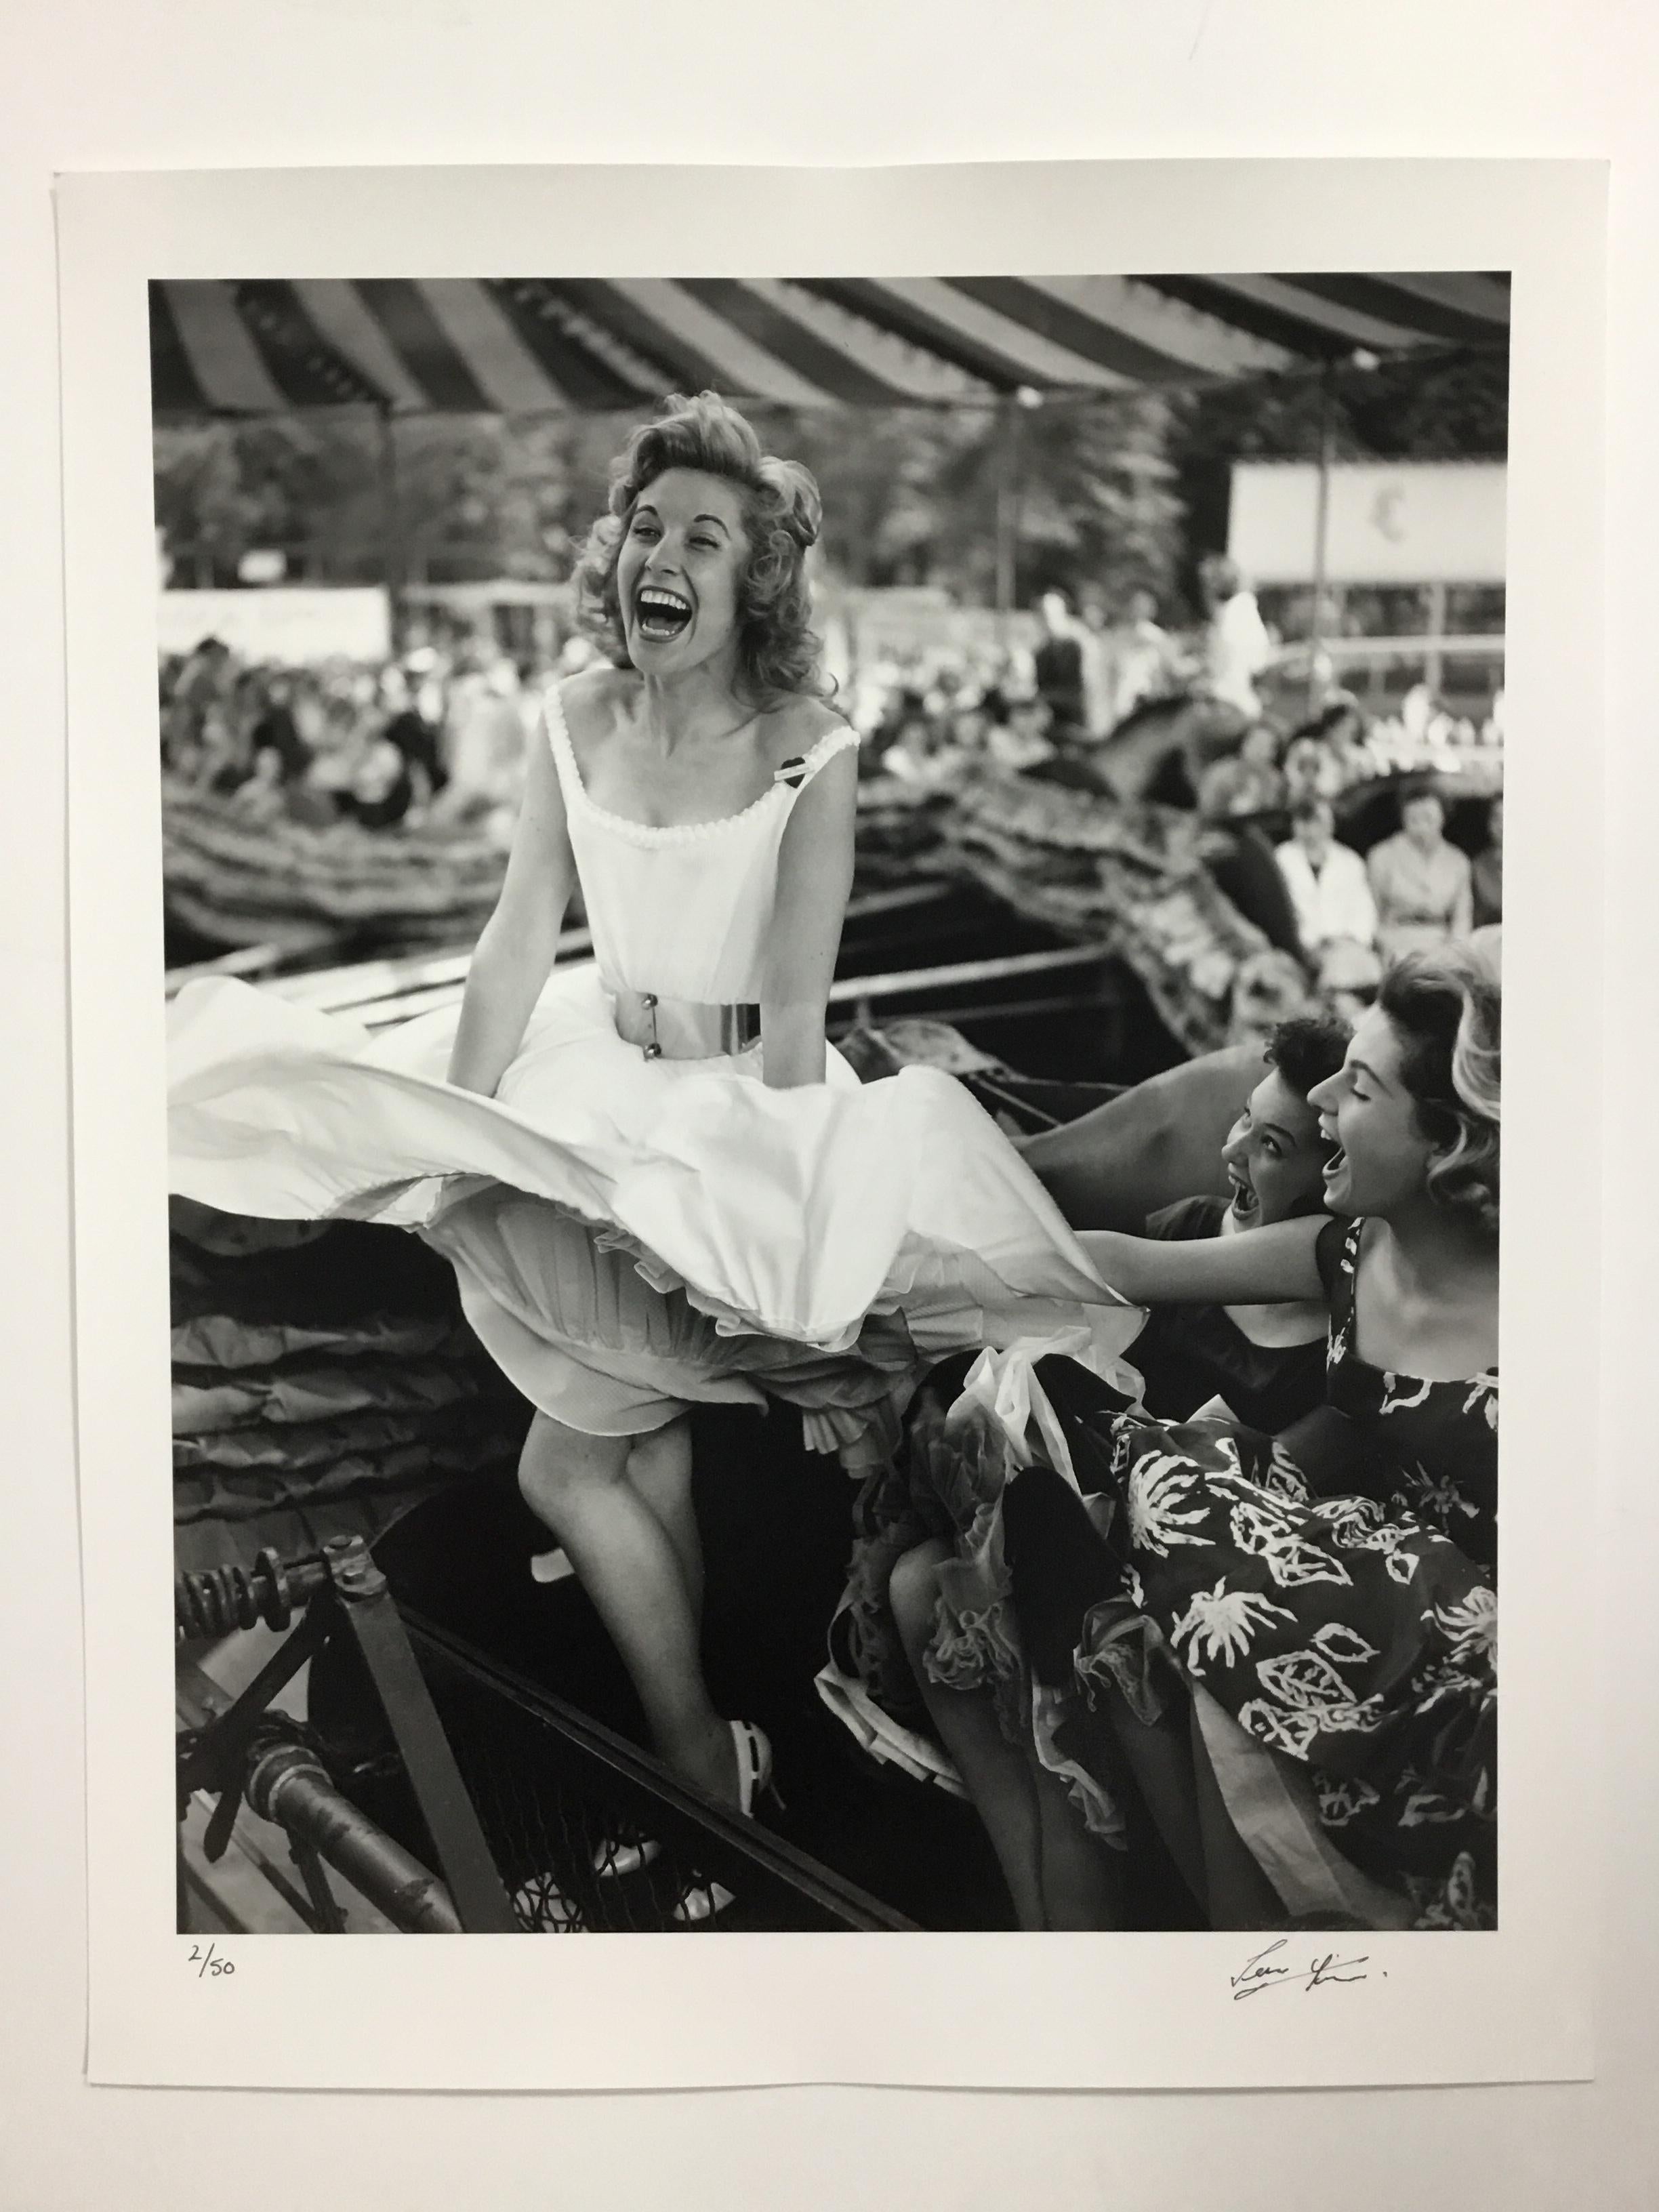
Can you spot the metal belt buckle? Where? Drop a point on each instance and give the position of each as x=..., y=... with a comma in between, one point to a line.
x=739, y=1027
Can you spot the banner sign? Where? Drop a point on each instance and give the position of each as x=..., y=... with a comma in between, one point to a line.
x=292, y=623
x=1434, y=522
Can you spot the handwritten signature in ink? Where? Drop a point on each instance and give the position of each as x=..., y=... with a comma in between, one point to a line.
x=1265, y=1971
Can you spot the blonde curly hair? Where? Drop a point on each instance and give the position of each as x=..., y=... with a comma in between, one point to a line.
x=778, y=652
x=1447, y=1008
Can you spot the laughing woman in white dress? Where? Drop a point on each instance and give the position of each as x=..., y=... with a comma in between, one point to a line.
x=657, y=1183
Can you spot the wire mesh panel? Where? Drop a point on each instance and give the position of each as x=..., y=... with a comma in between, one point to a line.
x=589, y=1834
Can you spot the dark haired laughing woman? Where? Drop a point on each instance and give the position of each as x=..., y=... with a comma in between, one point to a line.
x=657, y=1183
x=1288, y=1643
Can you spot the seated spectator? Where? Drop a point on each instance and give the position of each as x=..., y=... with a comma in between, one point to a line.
x=1349, y=978
x=1328, y=883
x=1015, y=738
x=262, y=798
x=276, y=729
x=1312, y=770
x=222, y=763
x=921, y=754
x=414, y=736
x=1248, y=781
x=382, y=789
x=360, y=772
x=1422, y=885
x=1487, y=870
x=970, y=726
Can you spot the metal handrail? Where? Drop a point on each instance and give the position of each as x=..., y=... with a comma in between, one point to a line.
x=333, y=990
x=1449, y=643
x=856, y=991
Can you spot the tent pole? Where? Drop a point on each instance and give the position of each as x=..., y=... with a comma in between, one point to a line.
x=1321, y=527
x=391, y=534
x=1434, y=666
x=1008, y=513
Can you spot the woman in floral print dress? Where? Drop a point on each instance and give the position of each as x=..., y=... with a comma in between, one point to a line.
x=1289, y=1643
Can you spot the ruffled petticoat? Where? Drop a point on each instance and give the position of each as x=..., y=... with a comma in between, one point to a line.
x=950, y=1484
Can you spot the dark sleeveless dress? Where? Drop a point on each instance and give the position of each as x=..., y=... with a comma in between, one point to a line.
x=1337, y=1602
x=1189, y=1354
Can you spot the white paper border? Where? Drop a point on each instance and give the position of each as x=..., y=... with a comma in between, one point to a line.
x=988, y=2010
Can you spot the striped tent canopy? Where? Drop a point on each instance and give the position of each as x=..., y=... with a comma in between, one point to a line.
x=538, y=345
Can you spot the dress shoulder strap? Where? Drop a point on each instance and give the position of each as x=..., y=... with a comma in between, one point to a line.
x=1336, y=1252
x=801, y=767
x=557, y=730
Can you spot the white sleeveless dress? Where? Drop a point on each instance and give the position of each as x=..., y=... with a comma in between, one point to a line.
x=634, y=1229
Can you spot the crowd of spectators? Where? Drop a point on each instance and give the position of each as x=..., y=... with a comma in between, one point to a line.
x=437, y=736
x=1268, y=794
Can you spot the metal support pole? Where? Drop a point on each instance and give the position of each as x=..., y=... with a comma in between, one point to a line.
x=1008, y=511
x=325, y=1905
x=1321, y=527
x=1434, y=665
x=288, y=1784
x=451, y=1823
x=393, y=569
x=215, y=1761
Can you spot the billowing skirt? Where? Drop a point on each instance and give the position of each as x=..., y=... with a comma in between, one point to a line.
x=635, y=1235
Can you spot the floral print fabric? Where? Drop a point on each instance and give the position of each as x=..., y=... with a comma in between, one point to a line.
x=1351, y=1628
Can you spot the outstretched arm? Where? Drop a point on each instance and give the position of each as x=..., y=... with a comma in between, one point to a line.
x=1262, y=1266
x=1157, y=1142
x=515, y=953
x=814, y=877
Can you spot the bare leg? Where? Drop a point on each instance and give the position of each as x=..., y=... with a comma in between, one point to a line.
x=659, y=1469
x=1079, y=1877
x=1240, y=1894
x=995, y=1774
x=1160, y=1757
x=579, y=1485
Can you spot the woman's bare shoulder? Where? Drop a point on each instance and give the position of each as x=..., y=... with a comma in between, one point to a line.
x=591, y=698
x=794, y=727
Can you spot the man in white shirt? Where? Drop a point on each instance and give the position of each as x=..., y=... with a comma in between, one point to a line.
x=1327, y=881
x=1237, y=647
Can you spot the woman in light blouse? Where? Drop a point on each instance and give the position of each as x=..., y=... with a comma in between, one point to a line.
x=1421, y=884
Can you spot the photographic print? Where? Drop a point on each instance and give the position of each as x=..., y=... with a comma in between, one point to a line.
x=831, y=957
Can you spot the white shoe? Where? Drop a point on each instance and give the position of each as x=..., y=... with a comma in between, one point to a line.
x=754, y=1767
x=613, y=1858
x=702, y=1900
x=544, y=1910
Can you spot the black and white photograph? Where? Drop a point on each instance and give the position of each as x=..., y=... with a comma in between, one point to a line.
x=774, y=777
x=833, y=997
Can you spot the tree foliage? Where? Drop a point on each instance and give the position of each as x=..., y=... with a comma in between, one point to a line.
x=1106, y=493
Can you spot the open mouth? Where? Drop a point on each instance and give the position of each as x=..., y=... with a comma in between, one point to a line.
x=1244, y=1197
x=1336, y=1159
x=659, y=616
